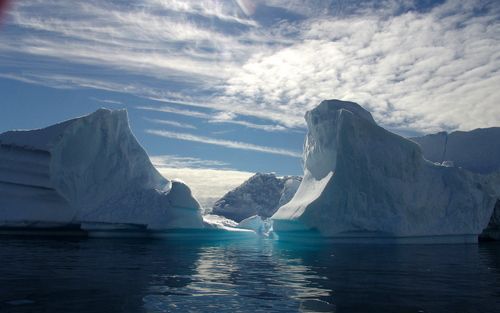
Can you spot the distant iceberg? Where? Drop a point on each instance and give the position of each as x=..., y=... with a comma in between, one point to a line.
x=364, y=183
x=477, y=150
x=262, y=195
x=89, y=171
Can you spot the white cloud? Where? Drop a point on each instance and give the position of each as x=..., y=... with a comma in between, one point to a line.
x=209, y=180
x=208, y=185
x=224, y=116
x=165, y=109
x=422, y=71
x=170, y=123
x=174, y=161
x=208, y=8
x=107, y=101
x=265, y=127
x=216, y=117
x=223, y=143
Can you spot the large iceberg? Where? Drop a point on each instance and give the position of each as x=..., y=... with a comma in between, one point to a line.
x=262, y=194
x=88, y=171
x=362, y=182
x=477, y=150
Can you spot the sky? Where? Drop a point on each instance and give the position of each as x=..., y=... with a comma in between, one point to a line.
x=217, y=90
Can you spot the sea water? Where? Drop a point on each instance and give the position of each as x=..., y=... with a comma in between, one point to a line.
x=257, y=275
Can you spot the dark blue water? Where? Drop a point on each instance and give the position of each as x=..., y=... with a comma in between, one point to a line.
x=97, y=275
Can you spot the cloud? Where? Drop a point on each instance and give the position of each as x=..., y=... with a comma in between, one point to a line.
x=205, y=8
x=209, y=180
x=422, y=71
x=106, y=101
x=223, y=143
x=170, y=123
x=417, y=69
x=269, y=128
x=247, y=6
x=165, y=109
x=216, y=117
x=174, y=161
x=208, y=185
x=137, y=38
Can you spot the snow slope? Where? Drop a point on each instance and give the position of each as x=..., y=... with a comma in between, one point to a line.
x=88, y=170
x=362, y=181
x=477, y=151
x=262, y=194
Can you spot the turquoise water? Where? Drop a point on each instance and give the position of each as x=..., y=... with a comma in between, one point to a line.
x=105, y=275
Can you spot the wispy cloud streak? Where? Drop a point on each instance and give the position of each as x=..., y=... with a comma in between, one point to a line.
x=224, y=143
x=170, y=123
x=215, y=118
x=175, y=161
x=421, y=70
x=165, y=109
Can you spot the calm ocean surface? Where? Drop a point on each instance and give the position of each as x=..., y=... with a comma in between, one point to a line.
x=118, y=275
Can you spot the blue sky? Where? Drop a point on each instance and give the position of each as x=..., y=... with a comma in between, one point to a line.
x=217, y=90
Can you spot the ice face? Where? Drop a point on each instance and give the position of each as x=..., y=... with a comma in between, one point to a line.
x=89, y=169
x=476, y=150
x=290, y=186
x=257, y=224
x=361, y=180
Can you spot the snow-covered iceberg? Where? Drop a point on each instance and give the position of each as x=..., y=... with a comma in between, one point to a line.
x=262, y=194
x=362, y=182
x=477, y=150
x=89, y=171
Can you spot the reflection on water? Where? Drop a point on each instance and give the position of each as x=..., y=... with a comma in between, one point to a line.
x=89, y=275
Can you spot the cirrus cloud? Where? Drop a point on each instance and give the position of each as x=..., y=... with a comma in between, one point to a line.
x=223, y=143
x=417, y=69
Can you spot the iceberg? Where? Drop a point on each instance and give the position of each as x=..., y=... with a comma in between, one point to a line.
x=262, y=194
x=290, y=186
x=477, y=150
x=364, y=183
x=88, y=171
x=257, y=224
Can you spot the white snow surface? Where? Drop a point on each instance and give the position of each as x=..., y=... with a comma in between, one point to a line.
x=361, y=180
x=89, y=169
x=261, y=226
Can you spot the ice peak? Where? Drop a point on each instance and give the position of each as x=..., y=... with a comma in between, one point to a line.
x=327, y=107
x=96, y=170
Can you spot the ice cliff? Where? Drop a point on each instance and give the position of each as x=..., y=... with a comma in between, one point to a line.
x=88, y=170
x=476, y=150
x=364, y=182
x=262, y=194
